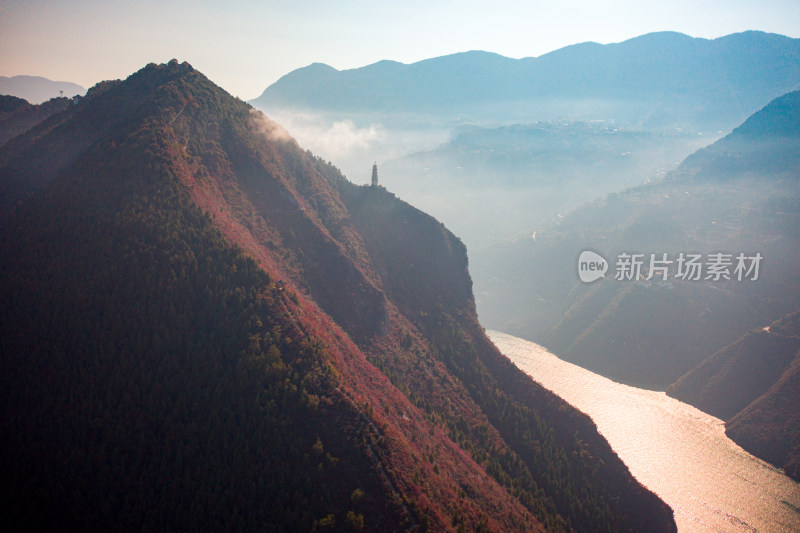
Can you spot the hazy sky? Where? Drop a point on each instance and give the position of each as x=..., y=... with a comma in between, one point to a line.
x=246, y=45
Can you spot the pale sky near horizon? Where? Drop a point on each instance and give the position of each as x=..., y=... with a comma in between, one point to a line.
x=245, y=45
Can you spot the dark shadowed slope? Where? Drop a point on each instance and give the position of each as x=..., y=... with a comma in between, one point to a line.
x=770, y=426
x=753, y=384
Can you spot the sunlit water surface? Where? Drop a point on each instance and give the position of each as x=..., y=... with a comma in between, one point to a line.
x=675, y=450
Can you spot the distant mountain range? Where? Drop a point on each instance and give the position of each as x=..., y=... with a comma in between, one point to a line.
x=36, y=89
x=205, y=327
x=657, y=80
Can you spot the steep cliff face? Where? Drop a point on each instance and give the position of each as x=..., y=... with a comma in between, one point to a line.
x=316, y=340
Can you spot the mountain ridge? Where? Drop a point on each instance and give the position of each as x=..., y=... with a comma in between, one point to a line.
x=664, y=79
x=18, y=116
x=233, y=227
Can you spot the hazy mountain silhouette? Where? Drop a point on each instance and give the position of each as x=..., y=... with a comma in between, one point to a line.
x=656, y=80
x=738, y=195
x=206, y=327
x=492, y=184
x=36, y=89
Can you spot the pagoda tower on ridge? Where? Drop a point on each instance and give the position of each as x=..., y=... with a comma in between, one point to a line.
x=375, y=174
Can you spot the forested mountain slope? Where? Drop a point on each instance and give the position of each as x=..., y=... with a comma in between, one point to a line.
x=18, y=116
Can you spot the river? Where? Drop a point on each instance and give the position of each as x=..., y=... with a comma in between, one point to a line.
x=677, y=451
